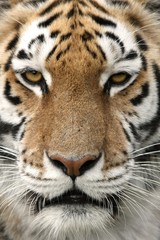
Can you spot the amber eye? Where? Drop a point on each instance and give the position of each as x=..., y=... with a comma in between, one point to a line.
x=33, y=76
x=120, y=77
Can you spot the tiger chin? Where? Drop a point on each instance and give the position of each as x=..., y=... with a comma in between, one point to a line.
x=79, y=120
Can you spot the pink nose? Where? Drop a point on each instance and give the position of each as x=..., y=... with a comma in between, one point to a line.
x=74, y=168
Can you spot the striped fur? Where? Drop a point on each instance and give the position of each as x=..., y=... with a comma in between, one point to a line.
x=78, y=151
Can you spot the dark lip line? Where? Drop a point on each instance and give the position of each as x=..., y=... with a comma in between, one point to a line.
x=75, y=197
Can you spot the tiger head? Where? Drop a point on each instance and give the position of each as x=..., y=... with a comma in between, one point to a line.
x=79, y=96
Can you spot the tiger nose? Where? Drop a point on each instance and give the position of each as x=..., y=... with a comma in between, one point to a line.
x=74, y=168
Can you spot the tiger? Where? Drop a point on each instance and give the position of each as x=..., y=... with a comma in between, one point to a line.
x=79, y=119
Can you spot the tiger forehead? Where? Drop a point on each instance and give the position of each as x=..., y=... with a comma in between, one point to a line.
x=73, y=22
x=77, y=33
x=75, y=26
x=67, y=31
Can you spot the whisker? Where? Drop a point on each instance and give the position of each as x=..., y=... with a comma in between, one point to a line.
x=11, y=188
x=133, y=203
x=140, y=190
x=146, y=147
x=17, y=202
x=147, y=168
x=8, y=150
x=146, y=177
x=147, y=153
x=148, y=162
x=10, y=200
x=10, y=178
x=4, y=158
x=8, y=165
x=133, y=192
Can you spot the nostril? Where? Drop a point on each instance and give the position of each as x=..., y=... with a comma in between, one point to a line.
x=74, y=168
x=89, y=164
x=59, y=165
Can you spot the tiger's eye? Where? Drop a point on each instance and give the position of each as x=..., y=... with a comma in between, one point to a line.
x=33, y=76
x=119, y=78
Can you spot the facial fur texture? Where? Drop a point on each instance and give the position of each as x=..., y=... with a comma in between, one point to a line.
x=88, y=129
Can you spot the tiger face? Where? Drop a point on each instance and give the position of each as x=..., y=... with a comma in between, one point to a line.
x=79, y=94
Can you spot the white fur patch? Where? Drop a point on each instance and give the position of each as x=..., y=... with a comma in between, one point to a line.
x=39, y=52
x=115, y=62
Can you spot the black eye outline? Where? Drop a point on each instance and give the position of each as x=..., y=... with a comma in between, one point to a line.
x=110, y=83
x=41, y=82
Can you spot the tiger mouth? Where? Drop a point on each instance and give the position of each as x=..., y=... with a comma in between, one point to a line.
x=77, y=198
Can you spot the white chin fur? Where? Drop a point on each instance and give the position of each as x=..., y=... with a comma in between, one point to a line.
x=71, y=222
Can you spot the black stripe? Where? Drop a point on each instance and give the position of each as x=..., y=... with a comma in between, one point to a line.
x=53, y=5
x=87, y=36
x=52, y=52
x=134, y=131
x=50, y=7
x=40, y=38
x=70, y=13
x=125, y=152
x=92, y=53
x=16, y=128
x=12, y=43
x=59, y=55
x=116, y=39
x=122, y=3
x=99, y=7
x=44, y=87
x=7, y=92
x=31, y=43
x=139, y=99
x=153, y=124
x=50, y=20
x=54, y=34
x=80, y=24
x=144, y=62
x=34, y=3
x=22, y=135
x=5, y=127
x=83, y=3
x=135, y=21
x=8, y=64
x=103, y=21
x=22, y=55
x=131, y=55
x=73, y=26
x=80, y=12
x=65, y=37
x=141, y=43
x=126, y=134
x=98, y=34
x=63, y=52
x=101, y=51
